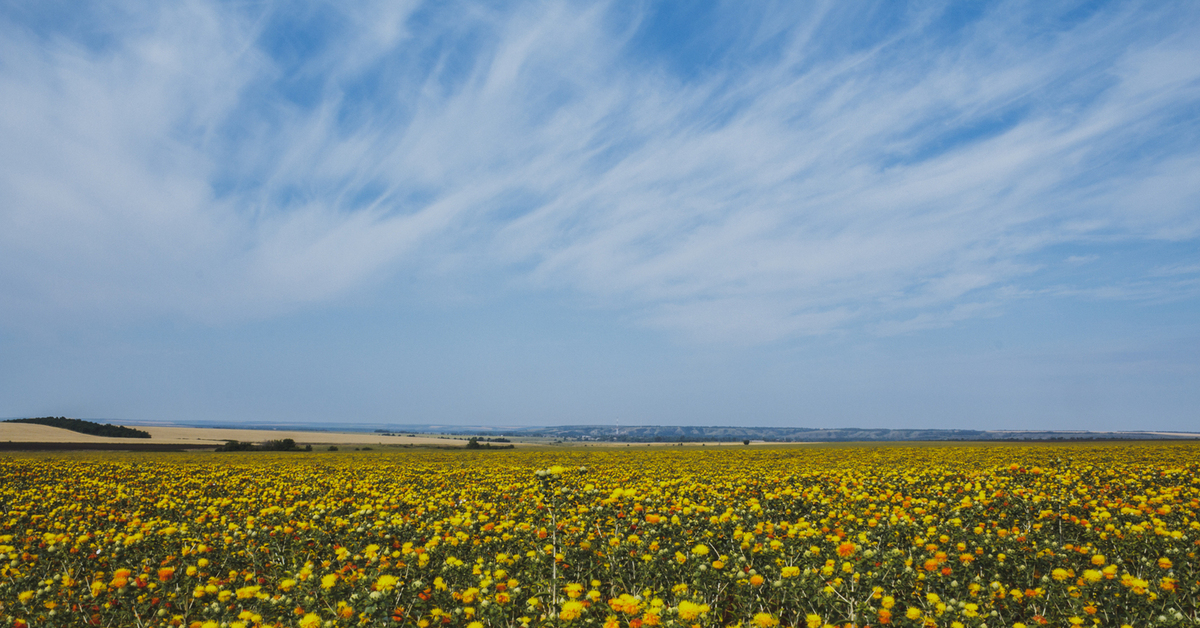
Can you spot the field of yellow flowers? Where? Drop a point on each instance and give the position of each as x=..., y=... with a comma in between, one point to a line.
x=996, y=536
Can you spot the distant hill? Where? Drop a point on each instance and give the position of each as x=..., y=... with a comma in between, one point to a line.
x=86, y=427
x=696, y=433
x=691, y=433
x=653, y=433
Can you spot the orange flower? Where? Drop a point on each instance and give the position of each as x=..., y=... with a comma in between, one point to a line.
x=165, y=573
x=845, y=549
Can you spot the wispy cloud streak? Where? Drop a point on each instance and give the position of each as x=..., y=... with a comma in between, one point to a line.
x=831, y=171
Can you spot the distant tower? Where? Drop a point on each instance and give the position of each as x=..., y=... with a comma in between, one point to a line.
x=618, y=427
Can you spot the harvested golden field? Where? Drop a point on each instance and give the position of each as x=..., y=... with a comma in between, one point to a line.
x=25, y=432
x=905, y=536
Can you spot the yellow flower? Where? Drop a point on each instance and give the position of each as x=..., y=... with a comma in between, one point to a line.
x=328, y=580
x=287, y=585
x=765, y=620
x=246, y=593
x=25, y=596
x=311, y=620
x=689, y=611
x=1059, y=574
x=386, y=583
x=790, y=571
x=813, y=621
x=913, y=613
x=700, y=550
x=571, y=610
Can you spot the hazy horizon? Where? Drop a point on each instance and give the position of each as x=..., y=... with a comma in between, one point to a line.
x=858, y=214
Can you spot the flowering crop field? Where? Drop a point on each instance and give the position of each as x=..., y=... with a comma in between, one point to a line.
x=866, y=536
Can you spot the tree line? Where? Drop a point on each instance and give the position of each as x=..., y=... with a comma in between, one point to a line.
x=85, y=427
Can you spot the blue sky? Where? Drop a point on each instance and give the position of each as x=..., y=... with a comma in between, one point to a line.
x=886, y=214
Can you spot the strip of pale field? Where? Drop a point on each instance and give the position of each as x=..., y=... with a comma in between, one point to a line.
x=29, y=433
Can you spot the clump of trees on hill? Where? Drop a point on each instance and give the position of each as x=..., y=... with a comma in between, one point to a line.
x=475, y=444
x=286, y=444
x=85, y=427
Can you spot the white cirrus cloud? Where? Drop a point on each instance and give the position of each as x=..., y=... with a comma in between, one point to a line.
x=203, y=161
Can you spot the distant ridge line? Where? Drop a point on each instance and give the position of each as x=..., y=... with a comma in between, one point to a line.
x=698, y=433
